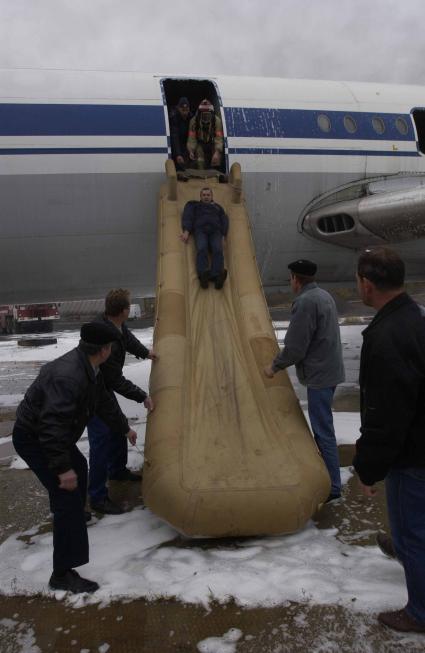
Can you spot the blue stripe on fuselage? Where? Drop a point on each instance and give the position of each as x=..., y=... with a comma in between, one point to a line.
x=81, y=120
x=148, y=120
x=302, y=123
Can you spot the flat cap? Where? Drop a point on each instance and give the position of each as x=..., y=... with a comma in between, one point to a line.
x=98, y=333
x=303, y=266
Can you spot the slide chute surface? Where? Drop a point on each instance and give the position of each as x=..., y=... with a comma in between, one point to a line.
x=228, y=452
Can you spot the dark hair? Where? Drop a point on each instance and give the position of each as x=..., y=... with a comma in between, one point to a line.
x=206, y=188
x=116, y=301
x=382, y=266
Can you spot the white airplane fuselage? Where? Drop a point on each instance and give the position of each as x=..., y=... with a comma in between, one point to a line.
x=327, y=168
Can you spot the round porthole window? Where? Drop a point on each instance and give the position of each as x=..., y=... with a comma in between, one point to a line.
x=324, y=122
x=401, y=126
x=350, y=124
x=378, y=125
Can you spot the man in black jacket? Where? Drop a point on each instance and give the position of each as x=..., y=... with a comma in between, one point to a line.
x=180, y=118
x=49, y=421
x=108, y=449
x=392, y=404
x=209, y=224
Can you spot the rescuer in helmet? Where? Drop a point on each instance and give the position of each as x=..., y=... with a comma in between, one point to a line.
x=205, y=140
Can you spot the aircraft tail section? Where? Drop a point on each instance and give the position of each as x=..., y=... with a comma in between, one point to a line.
x=228, y=452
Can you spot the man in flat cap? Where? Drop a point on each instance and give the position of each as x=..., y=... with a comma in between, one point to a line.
x=313, y=345
x=180, y=118
x=49, y=421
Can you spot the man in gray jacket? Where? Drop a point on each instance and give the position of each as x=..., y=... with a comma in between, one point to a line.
x=313, y=345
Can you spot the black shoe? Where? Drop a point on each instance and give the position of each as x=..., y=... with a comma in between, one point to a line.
x=332, y=497
x=72, y=582
x=220, y=279
x=204, y=279
x=385, y=543
x=87, y=515
x=107, y=507
x=125, y=475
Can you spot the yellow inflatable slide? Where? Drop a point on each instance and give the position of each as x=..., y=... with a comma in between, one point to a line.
x=228, y=452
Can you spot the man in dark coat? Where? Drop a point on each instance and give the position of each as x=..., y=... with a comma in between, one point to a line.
x=392, y=405
x=49, y=421
x=108, y=449
x=209, y=224
x=180, y=119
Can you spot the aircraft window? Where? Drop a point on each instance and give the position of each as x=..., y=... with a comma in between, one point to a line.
x=350, y=124
x=331, y=224
x=401, y=126
x=324, y=122
x=378, y=125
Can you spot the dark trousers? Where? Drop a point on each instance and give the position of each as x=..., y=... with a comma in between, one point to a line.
x=108, y=457
x=70, y=540
x=405, y=490
x=320, y=414
x=206, y=243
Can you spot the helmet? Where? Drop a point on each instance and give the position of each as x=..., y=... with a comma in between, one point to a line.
x=205, y=106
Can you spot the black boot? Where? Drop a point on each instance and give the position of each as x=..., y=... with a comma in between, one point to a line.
x=125, y=475
x=204, y=279
x=106, y=507
x=220, y=279
x=70, y=581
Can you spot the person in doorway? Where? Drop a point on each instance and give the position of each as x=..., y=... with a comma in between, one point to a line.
x=209, y=225
x=205, y=141
x=180, y=118
x=392, y=415
x=49, y=421
x=313, y=345
x=108, y=449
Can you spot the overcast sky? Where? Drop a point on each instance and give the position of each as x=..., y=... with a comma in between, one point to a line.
x=365, y=40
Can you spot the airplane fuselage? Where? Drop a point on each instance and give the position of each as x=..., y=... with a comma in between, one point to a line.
x=82, y=157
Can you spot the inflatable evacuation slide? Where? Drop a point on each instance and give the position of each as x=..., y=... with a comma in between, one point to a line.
x=228, y=451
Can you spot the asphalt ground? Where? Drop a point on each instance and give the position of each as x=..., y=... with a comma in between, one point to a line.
x=163, y=626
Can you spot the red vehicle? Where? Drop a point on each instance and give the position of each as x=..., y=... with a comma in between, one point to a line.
x=28, y=318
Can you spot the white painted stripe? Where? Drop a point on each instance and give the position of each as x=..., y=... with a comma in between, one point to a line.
x=52, y=164
x=321, y=144
x=154, y=163
x=94, y=100
x=82, y=141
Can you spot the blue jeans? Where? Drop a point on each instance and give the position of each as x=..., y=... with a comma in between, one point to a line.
x=209, y=243
x=70, y=540
x=320, y=413
x=108, y=457
x=405, y=489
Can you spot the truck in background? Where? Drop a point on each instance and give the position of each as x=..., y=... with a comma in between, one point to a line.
x=28, y=318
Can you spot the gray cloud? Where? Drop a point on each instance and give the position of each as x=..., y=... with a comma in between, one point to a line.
x=322, y=39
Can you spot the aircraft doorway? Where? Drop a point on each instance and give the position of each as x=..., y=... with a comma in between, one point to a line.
x=419, y=118
x=195, y=90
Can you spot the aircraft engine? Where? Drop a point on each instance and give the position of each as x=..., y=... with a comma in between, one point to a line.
x=373, y=219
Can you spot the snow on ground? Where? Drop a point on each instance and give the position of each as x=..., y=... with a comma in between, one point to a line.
x=129, y=559
x=20, y=636
x=225, y=644
x=66, y=340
